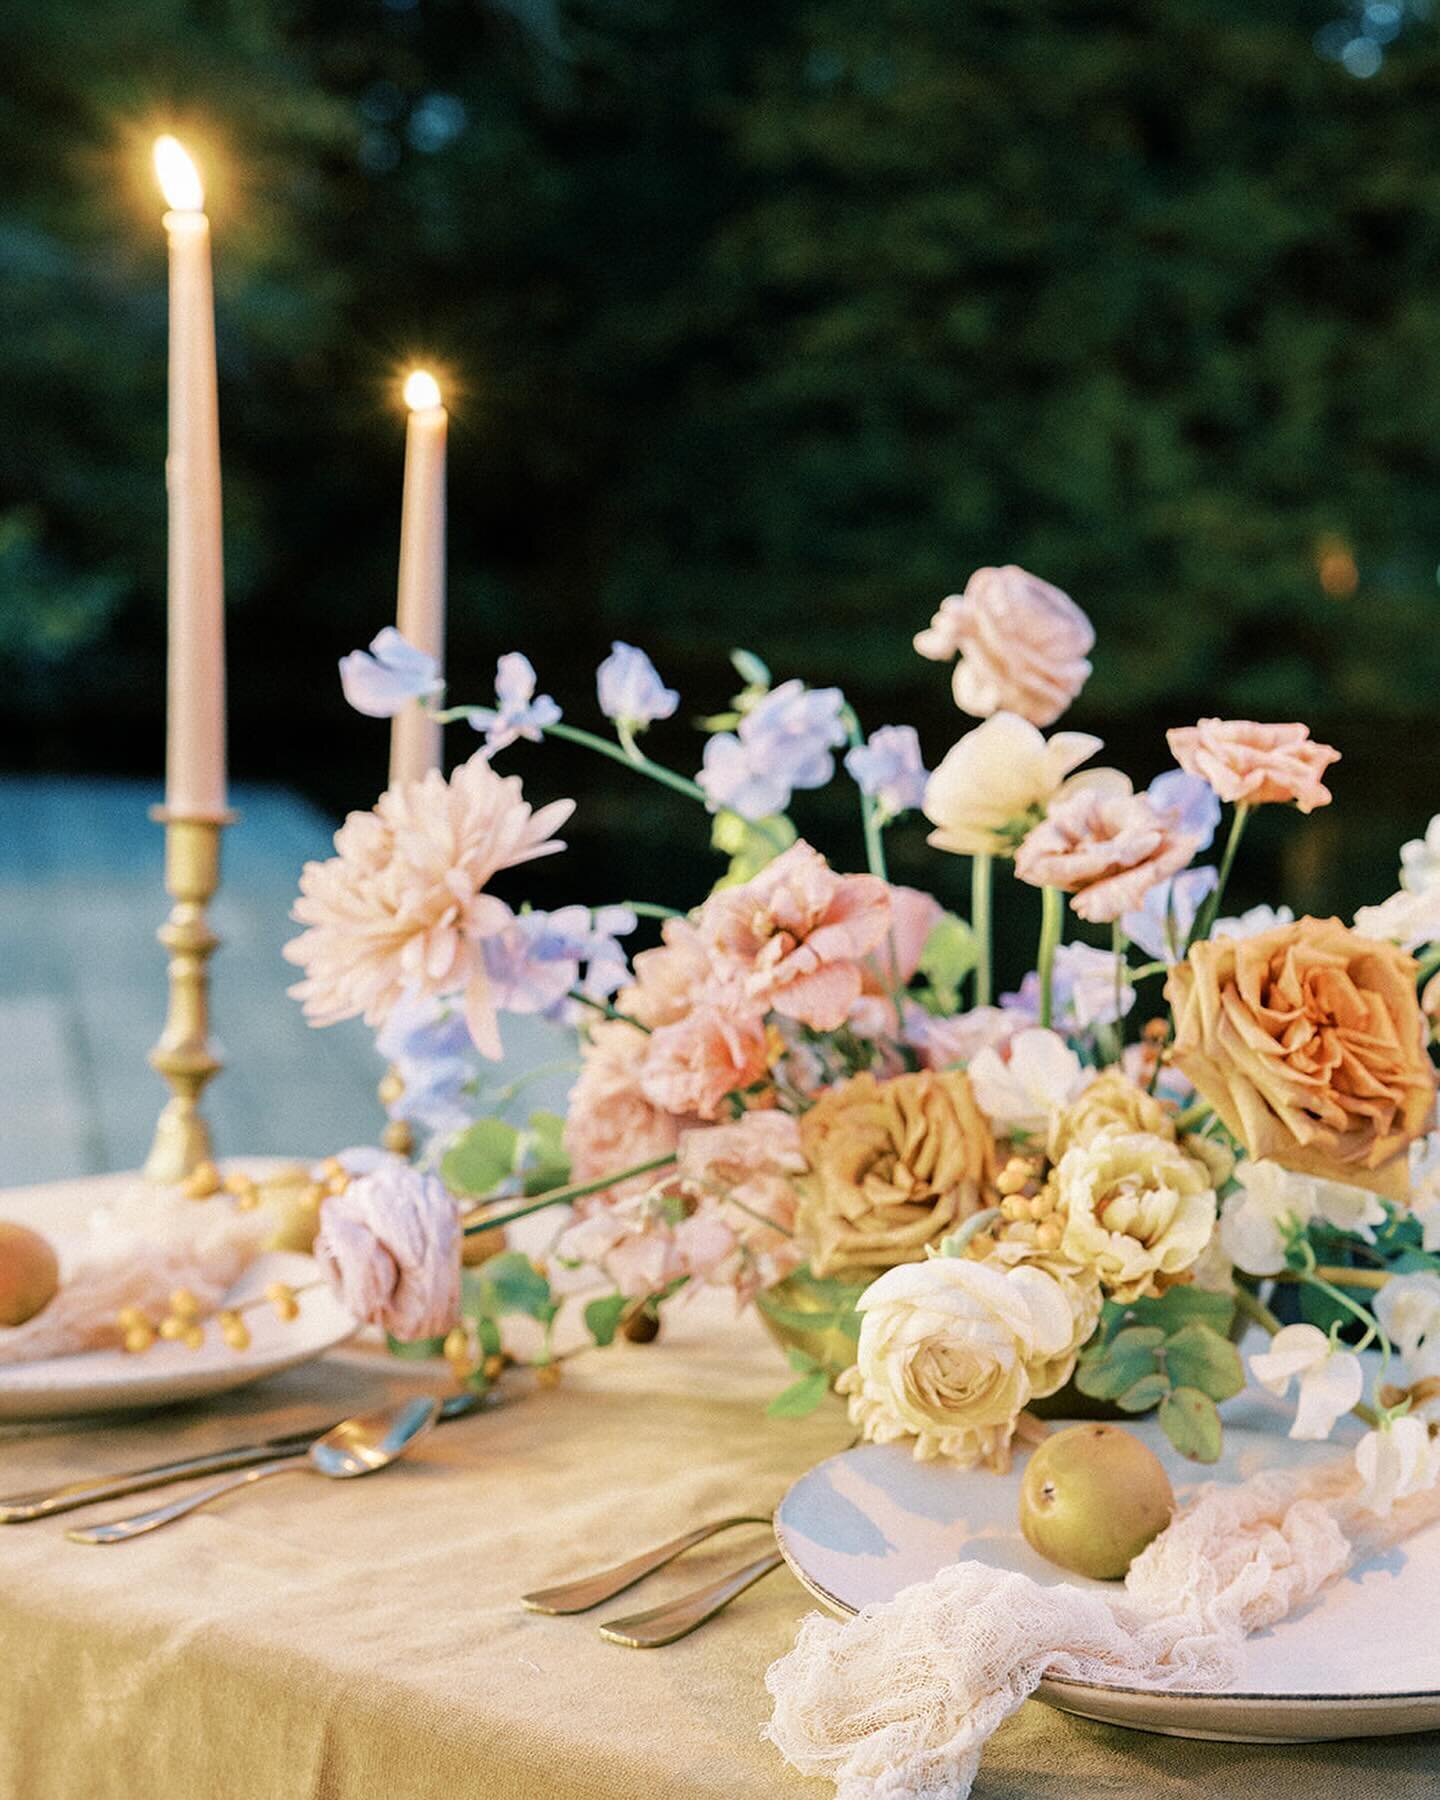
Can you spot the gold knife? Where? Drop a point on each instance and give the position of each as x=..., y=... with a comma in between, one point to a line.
x=20, y=1509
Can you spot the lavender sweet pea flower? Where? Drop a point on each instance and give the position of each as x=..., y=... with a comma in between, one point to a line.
x=427, y=1042
x=521, y=713
x=535, y=963
x=736, y=779
x=784, y=742
x=889, y=770
x=1161, y=926
x=606, y=965
x=794, y=729
x=1188, y=803
x=1087, y=988
x=384, y=680
x=630, y=689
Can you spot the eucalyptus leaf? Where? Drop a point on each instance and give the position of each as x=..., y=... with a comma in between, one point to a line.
x=1189, y=1419
x=749, y=846
x=1182, y=1304
x=479, y=1161
x=950, y=953
x=546, y=1164
x=514, y=1285
x=1146, y=1394
x=1108, y=1370
x=1199, y=1357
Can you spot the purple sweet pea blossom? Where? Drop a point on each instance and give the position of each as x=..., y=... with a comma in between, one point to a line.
x=889, y=769
x=630, y=689
x=784, y=742
x=1088, y=987
x=429, y=1045
x=384, y=680
x=1187, y=803
x=1161, y=926
x=520, y=712
x=535, y=963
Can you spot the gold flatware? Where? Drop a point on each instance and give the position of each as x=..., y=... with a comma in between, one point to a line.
x=594, y=1590
x=20, y=1509
x=677, y=1619
x=358, y=1446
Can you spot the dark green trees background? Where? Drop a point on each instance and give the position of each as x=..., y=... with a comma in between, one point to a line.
x=767, y=322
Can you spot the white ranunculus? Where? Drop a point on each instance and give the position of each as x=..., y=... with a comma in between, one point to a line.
x=1398, y=1460
x=1420, y=860
x=993, y=784
x=952, y=1351
x=1252, y=923
x=1425, y=1188
x=1035, y=1077
x=1252, y=1221
x=1139, y=1209
x=1331, y=1380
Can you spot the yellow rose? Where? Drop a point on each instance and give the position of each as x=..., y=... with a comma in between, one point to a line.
x=1139, y=1209
x=952, y=1351
x=894, y=1166
x=1309, y=1042
x=1112, y=1099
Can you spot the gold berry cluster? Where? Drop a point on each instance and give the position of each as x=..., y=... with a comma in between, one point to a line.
x=1028, y=1205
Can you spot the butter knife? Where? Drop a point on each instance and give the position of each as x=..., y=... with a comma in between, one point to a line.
x=20, y=1509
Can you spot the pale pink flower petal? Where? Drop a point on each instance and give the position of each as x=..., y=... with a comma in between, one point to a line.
x=610, y=1124
x=1023, y=645
x=717, y=1049
x=401, y=906
x=1105, y=850
x=1255, y=765
x=390, y=1246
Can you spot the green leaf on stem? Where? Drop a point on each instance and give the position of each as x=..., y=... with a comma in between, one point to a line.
x=1182, y=1305
x=801, y=1361
x=483, y=1157
x=1189, y=1419
x=602, y=1317
x=1199, y=1357
x=950, y=953
x=1108, y=1370
x=543, y=1153
x=417, y=1350
x=801, y=1398
x=1146, y=1394
x=748, y=666
x=512, y=1284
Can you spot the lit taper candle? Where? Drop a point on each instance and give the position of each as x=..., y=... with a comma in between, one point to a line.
x=195, y=712
x=420, y=613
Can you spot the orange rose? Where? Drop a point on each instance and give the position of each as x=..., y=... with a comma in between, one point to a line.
x=1252, y=764
x=894, y=1165
x=1309, y=1043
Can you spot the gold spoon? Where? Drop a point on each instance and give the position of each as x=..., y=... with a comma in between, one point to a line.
x=357, y=1446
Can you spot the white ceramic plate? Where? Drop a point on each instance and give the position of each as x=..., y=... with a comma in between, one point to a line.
x=1362, y=1661
x=102, y=1381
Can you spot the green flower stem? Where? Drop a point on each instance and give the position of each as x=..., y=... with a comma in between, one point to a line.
x=681, y=784
x=982, y=887
x=1210, y=911
x=1146, y=970
x=1429, y=963
x=1255, y=1309
x=476, y=1220
x=1052, y=925
x=869, y=812
x=607, y=1011
x=1118, y=945
x=646, y=909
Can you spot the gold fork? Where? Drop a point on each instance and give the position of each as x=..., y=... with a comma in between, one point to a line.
x=594, y=1590
x=678, y=1618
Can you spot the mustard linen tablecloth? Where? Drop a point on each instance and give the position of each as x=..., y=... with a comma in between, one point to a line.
x=364, y=1641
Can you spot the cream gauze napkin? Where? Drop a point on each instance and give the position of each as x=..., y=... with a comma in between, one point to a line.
x=896, y=1704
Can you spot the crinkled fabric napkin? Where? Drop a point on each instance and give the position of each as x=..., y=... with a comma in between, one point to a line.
x=897, y=1703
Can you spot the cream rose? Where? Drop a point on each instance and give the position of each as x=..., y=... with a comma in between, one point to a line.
x=952, y=1352
x=997, y=781
x=1309, y=1043
x=1111, y=1100
x=1138, y=1208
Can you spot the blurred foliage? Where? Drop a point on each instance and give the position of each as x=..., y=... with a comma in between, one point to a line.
x=764, y=324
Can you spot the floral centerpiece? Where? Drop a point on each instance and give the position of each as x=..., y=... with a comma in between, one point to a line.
x=953, y=1203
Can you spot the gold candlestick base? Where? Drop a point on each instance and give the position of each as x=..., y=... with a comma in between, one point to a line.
x=185, y=1055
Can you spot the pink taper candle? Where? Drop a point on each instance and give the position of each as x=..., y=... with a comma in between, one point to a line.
x=420, y=613
x=195, y=712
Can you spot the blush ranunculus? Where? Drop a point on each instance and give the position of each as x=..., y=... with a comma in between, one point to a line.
x=1255, y=765
x=390, y=1247
x=1309, y=1042
x=1023, y=645
x=610, y=1123
x=1106, y=850
x=718, y=1048
x=795, y=938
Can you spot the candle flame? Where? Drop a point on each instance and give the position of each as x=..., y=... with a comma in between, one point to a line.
x=179, y=178
x=422, y=391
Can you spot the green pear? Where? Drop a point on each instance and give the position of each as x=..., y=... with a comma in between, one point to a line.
x=29, y=1273
x=1092, y=1497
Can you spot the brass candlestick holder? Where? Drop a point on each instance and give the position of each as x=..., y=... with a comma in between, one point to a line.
x=185, y=1054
